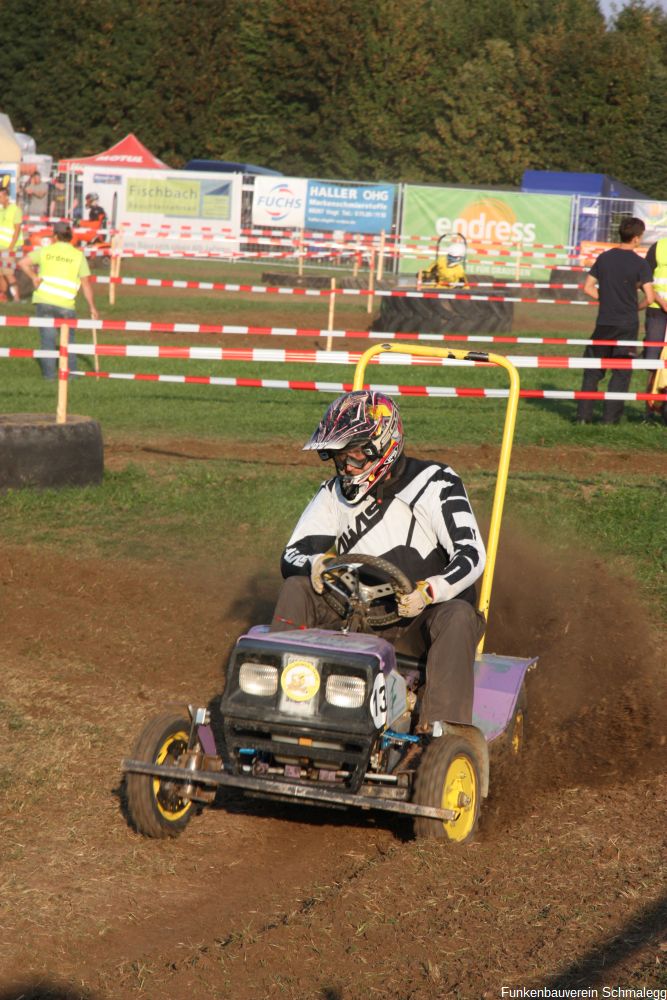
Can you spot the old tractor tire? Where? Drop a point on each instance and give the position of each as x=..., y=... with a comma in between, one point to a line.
x=155, y=806
x=402, y=314
x=565, y=276
x=36, y=451
x=449, y=777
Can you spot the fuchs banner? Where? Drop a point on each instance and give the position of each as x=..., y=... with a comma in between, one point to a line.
x=297, y=203
x=484, y=218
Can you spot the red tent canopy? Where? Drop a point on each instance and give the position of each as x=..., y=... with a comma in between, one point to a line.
x=129, y=152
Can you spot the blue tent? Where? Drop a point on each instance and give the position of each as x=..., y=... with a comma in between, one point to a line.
x=592, y=222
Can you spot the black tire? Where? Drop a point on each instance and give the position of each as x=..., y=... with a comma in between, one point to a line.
x=36, y=451
x=564, y=276
x=155, y=807
x=399, y=314
x=449, y=776
x=516, y=731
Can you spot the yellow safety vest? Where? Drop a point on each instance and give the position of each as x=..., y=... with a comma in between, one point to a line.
x=660, y=273
x=10, y=217
x=61, y=267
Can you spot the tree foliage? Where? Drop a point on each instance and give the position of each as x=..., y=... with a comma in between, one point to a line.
x=427, y=90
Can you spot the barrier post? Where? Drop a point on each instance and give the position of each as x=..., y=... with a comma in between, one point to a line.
x=371, y=283
x=517, y=273
x=114, y=270
x=355, y=268
x=299, y=244
x=63, y=374
x=381, y=256
x=332, y=305
x=96, y=360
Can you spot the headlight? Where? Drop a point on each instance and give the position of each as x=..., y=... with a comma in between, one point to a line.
x=346, y=692
x=258, y=678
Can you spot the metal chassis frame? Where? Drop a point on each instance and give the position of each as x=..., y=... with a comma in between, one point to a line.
x=279, y=789
x=505, y=449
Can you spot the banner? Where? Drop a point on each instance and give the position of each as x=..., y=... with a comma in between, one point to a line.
x=351, y=208
x=188, y=200
x=485, y=218
x=654, y=215
x=279, y=202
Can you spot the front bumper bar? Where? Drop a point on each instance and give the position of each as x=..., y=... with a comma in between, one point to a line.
x=286, y=790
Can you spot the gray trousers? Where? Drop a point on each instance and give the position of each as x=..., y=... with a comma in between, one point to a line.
x=448, y=633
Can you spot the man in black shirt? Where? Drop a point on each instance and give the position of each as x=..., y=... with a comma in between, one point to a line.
x=613, y=282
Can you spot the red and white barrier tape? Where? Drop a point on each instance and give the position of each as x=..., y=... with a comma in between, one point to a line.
x=277, y=356
x=139, y=326
x=393, y=390
x=226, y=286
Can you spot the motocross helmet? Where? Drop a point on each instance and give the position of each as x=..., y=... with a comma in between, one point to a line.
x=456, y=253
x=366, y=420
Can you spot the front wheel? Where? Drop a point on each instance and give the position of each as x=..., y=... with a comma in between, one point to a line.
x=156, y=807
x=448, y=777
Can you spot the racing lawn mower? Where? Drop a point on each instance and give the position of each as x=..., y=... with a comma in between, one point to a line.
x=327, y=717
x=448, y=270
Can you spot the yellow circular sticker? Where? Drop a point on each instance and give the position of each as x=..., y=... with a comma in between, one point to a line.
x=300, y=680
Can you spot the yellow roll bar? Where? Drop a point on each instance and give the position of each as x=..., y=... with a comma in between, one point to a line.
x=505, y=447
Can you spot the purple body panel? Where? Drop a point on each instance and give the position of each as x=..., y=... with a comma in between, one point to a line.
x=498, y=679
x=207, y=740
x=320, y=638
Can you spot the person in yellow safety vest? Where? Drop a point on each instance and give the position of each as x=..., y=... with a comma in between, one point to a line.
x=11, y=238
x=655, y=328
x=63, y=269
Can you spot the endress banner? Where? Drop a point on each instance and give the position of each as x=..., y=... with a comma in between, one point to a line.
x=484, y=217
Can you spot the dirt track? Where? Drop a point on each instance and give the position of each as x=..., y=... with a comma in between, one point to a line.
x=566, y=884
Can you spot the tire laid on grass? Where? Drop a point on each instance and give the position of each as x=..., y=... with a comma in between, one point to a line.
x=155, y=807
x=401, y=314
x=36, y=451
x=565, y=276
x=449, y=777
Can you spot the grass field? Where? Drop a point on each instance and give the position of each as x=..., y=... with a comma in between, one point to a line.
x=614, y=513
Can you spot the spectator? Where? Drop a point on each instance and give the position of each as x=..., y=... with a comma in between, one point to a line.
x=95, y=210
x=11, y=238
x=656, y=315
x=62, y=271
x=613, y=281
x=36, y=194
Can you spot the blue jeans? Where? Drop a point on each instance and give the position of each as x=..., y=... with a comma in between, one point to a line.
x=49, y=338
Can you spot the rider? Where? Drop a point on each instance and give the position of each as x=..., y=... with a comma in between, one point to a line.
x=416, y=515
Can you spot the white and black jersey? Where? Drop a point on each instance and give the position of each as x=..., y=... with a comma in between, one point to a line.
x=420, y=520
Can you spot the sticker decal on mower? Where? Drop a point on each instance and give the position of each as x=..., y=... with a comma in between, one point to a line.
x=379, y=702
x=300, y=680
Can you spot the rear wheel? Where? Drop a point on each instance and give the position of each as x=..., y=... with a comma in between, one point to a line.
x=157, y=807
x=448, y=777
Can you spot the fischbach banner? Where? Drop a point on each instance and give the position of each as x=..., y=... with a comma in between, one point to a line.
x=185, y=201
x=298, y=203
x=485, y=218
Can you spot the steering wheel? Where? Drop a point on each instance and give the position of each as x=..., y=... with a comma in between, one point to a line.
x=353, y=600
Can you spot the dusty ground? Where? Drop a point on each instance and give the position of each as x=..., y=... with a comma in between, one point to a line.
x=566, y=884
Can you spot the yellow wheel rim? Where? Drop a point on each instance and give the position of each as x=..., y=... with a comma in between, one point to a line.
x=517, y=734
x=165, y=750
x=460, y=794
